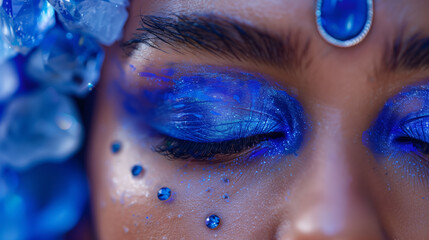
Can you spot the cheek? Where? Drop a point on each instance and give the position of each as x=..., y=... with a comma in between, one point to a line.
x=243, y=194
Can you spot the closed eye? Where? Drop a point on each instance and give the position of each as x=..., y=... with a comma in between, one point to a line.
x=213, y=151
x=416, y=144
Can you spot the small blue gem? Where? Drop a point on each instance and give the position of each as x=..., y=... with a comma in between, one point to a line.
x=116, y=146
x=344, y=19
x=136, y=170
x=164, y=193
x=212, y=221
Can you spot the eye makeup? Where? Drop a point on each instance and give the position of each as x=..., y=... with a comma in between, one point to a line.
x=206, y=110
x=404, y=116
x=400, y=135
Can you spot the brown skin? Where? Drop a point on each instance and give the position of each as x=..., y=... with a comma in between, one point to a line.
x=334, y=188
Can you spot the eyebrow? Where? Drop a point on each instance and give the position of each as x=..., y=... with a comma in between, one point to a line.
x=407, y=53
x=221, y=37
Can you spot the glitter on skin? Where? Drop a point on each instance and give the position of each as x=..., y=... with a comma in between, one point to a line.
x=212, y=221
x=226, y=197
x=164, y=193
x=136, y=170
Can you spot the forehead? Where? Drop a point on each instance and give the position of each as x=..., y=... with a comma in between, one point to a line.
x=280, y=15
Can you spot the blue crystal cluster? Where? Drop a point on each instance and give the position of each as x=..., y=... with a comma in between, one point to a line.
x=49, y=53
x=66, y=61
x=101, y=19
x=25, y=22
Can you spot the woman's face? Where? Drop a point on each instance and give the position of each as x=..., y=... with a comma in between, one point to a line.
x=245, y=112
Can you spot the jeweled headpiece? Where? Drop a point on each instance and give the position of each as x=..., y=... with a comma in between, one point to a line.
x=344, y=23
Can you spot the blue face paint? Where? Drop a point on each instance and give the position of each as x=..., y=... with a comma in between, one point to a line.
x=210, y=105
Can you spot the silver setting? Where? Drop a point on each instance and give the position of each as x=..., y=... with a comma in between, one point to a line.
x=347, y=43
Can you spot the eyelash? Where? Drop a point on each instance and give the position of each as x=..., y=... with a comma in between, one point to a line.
x=416, y=134
x=216, y=151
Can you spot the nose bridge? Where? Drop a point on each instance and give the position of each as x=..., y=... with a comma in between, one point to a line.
x=330, y=200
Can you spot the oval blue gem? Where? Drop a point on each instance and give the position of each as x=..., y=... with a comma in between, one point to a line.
x=212, y=221
x=344, y=19
x=164, y=193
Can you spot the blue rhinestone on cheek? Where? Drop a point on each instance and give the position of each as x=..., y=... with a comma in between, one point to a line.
x=116, y=147
x=212, y=221
x=136, y=170
x=164, y=193
x=344, y=23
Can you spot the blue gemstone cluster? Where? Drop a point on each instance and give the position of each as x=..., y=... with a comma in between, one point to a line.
x=101, y=19
x=212, y=221
x=164, y=193
x=66, y=61
x=26, y=22
x=49, y=50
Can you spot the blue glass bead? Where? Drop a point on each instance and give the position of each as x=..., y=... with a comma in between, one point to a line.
x=164, y=193
x=212, y=221
x=116, y=147
x=136, y=170
x=9, y=82
x=101, y=19
x=25, y=22
x=66, y=61
x=344, y=19
x=41, y=126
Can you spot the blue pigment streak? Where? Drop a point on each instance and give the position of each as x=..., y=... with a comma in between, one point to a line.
x=207, y=104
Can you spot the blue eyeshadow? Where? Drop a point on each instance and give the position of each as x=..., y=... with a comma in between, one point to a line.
x=404, y=116
x=207, y=104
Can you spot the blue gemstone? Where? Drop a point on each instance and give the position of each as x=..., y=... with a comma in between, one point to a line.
x=136, y=170
x=38, y=127
x=24, y=23
x=116, y=146
x=344, y=19
x=67, y=62
x=101, y=19
x=212, y=221
x=164, y=193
